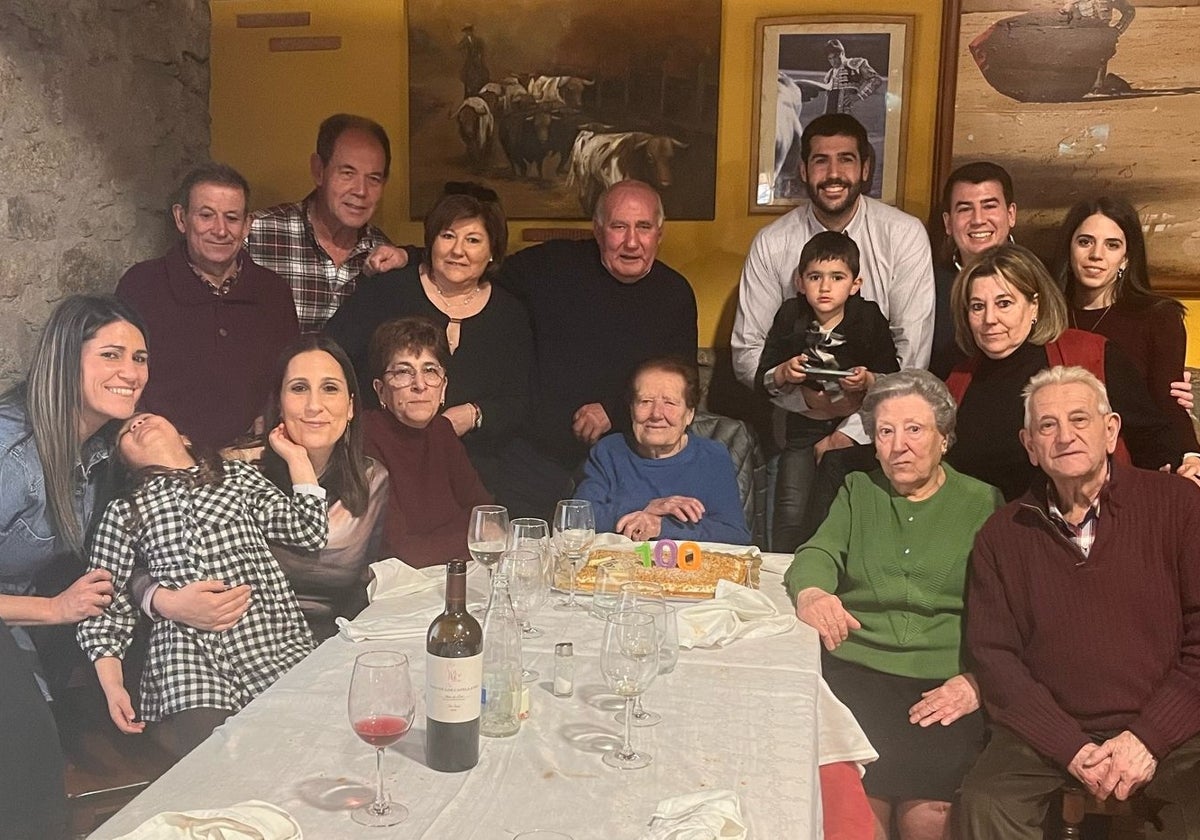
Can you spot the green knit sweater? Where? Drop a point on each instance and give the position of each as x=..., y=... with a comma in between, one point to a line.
x=900, y=569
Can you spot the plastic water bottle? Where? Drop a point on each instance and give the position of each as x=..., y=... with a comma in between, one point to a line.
x=501, y=664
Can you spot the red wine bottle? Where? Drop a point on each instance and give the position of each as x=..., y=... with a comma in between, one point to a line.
x=453, y=677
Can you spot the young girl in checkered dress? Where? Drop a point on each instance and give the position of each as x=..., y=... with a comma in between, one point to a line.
x=192, y=519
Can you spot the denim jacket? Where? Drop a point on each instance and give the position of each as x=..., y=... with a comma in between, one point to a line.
x=27, y=541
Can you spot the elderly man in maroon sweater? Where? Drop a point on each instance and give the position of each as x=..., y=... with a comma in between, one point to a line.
x=1083, y=620
x=217, y=321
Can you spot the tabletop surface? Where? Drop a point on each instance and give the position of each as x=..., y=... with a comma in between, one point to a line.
x=754, y=717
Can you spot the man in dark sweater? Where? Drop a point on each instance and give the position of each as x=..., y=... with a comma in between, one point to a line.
x=1084, y=626
x=598, y=310
x=217, y=321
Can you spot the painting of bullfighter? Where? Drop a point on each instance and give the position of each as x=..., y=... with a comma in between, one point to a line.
x=810, y=66
x=548, y=102
x=1082, y=98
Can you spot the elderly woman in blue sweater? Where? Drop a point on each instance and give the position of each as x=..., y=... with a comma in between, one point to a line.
x=664, y=482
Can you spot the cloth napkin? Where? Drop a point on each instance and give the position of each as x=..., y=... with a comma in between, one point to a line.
x=250, y=820
x=734, y=613
x=708, y=815
x=393, y=578
x=776, y=563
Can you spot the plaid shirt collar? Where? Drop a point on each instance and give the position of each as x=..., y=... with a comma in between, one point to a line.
x=227, y=283
x=1082, y=535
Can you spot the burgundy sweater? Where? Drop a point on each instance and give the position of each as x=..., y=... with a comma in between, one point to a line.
x=432, y=488
x=1064, y=646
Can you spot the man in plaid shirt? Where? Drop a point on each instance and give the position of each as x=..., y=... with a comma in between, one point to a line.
x=321, y=244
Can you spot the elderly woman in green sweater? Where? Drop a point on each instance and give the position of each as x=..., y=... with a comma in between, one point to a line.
x=882, y=583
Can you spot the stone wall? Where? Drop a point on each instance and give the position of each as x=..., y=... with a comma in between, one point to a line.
x=103, y=107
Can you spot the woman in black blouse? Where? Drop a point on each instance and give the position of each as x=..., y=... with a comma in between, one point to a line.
x=487, y=380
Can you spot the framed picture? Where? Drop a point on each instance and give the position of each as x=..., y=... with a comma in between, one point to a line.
x=1076, y=100
x=813, y=65
x=550, y=101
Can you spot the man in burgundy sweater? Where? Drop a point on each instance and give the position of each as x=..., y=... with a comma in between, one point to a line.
x=217, y=321
x=1083, y=621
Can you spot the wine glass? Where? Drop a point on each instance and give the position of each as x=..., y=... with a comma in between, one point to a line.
x=637, y=595
x=668, y=655
x=526, y=588
x=574, y=531
x=380, y=706
x=487, y=535
x=534, y=534
x=629, y=663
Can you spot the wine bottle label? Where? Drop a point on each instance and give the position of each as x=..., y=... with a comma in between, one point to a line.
x=452, y=688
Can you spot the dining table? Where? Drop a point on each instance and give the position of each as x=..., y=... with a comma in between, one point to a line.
x=752, y=716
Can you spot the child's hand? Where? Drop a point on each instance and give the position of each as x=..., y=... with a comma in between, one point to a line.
x=860, y=381
x=791, y=372
x=120, y=709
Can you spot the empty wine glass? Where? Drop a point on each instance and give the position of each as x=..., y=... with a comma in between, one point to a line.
x=634, y=596
x=629, y=663
x=526, y=588
x=668, y=655
x=487, y=535
x=574, y=531
x=380, y=705
x=534, y=534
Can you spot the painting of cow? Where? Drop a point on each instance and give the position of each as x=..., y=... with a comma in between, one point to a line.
x=559, y=112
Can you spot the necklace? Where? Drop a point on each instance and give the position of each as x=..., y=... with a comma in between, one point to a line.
x=466, y=299
x=1095, y=325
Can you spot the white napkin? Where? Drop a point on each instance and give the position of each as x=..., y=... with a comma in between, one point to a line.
x=708, y=815
x=393, y=578
x=250, y=820
x=776, y=563
x=408, y=626
x=734, y=613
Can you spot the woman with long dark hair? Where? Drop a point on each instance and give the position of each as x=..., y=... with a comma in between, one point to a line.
x=1102, y=269
x=89, y=368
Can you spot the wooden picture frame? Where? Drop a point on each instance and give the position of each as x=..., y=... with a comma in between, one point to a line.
x=796, y=79
x=1128, y=126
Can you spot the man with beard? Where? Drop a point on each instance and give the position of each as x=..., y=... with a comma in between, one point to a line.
x=896, y=263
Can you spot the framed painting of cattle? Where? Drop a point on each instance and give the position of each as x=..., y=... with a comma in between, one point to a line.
x=813, y=65
x=550, y=101
x=1079, y=99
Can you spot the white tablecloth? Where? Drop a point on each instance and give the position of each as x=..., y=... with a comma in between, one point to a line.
x=754, y=717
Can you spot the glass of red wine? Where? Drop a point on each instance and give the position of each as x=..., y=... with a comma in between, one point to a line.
x=381, y=707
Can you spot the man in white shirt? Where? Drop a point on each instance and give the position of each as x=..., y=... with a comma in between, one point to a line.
x=897, y=265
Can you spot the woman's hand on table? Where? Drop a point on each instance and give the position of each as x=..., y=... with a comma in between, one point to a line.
x=945, y=704
x=461, y=417
x=824, y=613
x=85, y=598
x=203, y=604
x=640, y=525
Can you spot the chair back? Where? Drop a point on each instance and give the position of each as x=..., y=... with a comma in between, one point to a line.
x=748, y=462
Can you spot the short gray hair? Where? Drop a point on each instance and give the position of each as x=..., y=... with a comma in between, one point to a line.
x=600, y=213
x=1063, y=375
x=912, y=382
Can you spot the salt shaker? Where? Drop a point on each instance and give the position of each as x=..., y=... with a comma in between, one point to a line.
x=564, y=669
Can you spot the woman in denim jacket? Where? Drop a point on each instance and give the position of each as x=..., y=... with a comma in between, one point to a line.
x=89, y=368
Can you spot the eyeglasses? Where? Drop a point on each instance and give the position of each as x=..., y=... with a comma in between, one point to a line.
x=405, y=375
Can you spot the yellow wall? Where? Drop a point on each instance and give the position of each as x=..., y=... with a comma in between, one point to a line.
x=266, y=106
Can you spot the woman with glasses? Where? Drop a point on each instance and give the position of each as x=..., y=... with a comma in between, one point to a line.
x=433, y=486
x=486, y=330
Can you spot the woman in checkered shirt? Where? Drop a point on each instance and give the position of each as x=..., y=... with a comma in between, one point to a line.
x=191, y=519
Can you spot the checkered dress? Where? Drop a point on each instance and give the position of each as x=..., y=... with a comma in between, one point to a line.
x=282, y=239
x=185, y=533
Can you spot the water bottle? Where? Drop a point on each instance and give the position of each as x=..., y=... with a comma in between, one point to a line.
x=501, y=664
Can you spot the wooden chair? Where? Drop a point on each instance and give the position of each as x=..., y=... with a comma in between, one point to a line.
x=1128, y=817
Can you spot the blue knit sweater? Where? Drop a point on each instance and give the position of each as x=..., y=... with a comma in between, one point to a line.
x=618, y=481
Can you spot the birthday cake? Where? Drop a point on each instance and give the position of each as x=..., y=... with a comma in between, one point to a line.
x=698, y=582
